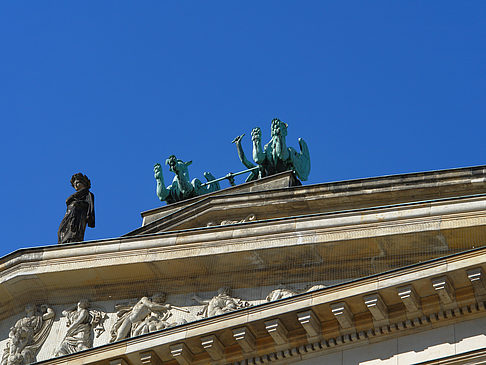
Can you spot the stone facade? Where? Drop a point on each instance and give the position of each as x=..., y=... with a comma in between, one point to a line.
x=382, y=270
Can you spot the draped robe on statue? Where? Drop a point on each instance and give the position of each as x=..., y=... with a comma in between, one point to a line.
x=80, y=211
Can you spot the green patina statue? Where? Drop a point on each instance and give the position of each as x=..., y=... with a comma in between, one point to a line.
x=181, y=188
x=275, y=157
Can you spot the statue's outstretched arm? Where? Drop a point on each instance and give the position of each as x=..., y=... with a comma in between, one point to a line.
x=161, y=190
x=156, y=307
x=258, y=154
x=200, y=190
x=198, y=299
x=241, y=153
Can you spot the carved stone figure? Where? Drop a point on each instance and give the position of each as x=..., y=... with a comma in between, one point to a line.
x=281, y=292
x=81, y=321
x=248, y=218
x=147, y=315
x=181, y=188
x=220, y=304
x=315, y=287
x=27, y=336
x=79, y=212
x=275, y=157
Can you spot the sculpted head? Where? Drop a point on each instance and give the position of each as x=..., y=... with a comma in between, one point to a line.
x=225, y=290
x=172, y=162
x=159, y=297
x=83, y=303
x=176, y=165
x=80, y=181
x=279, y=128
x=30, y=309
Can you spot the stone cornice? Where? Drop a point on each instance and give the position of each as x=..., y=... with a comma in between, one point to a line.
x=452, y=209
x=305, y=325
x=25, y=274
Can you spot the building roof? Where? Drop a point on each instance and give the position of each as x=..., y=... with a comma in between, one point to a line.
x=395, y=254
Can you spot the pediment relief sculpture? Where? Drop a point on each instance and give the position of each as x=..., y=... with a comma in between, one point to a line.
x=222, y=303
x=282, y=292
x=145, y=316
x=28, y=335
x=81, y=322
x=315, y=287
x=248, y=218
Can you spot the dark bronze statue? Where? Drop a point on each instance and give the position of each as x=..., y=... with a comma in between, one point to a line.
x=79, y=212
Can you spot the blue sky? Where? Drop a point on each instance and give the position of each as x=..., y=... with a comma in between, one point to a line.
x=109, y=88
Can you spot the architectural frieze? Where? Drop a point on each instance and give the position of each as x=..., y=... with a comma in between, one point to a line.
x=431, y=295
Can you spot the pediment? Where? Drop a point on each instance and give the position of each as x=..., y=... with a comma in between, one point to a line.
x=238, y=204
x=274, y=197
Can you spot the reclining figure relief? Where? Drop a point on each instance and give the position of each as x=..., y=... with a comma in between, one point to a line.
x=147, y=315
x=282, y=291
x=248, y=218
x=222, y=303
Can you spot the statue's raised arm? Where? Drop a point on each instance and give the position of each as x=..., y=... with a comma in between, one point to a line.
x=258, y=153
x=241, y=154
x=161, y=191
